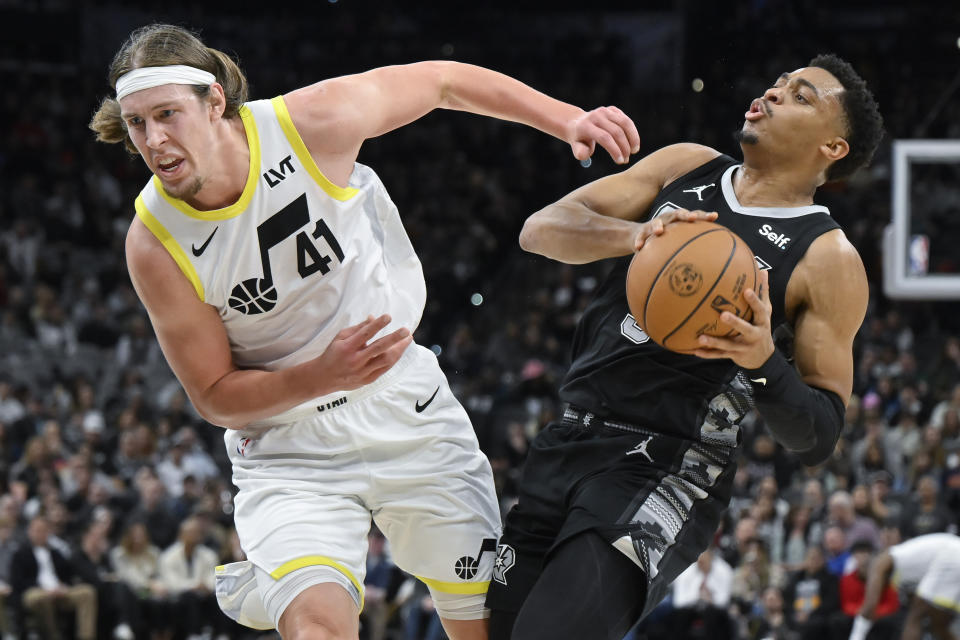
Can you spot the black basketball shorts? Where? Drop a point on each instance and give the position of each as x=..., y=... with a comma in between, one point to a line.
x=656, y=498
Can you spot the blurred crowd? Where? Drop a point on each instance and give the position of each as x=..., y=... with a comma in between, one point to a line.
x=105, y=465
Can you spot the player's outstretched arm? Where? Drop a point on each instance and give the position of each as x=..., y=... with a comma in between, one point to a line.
x=335, y=116
x=195, y=344
x=804, y=405
x=880, y=570
x=601, y=219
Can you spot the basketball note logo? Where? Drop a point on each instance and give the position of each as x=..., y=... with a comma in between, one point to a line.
x=259, y=295
x=466, y=566
x=253, y=295
x=685, y=279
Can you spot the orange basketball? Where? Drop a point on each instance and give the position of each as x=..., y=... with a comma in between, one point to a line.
x=680, y=282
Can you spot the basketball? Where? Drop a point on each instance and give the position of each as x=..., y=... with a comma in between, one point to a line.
x=681, y=281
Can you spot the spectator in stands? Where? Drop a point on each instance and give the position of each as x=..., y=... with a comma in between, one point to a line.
x=853, y=588
x=153, y=510
x=883, y=503
x=950, y=430
x=11, y=408
x=902, y=441
x=744, y=532
x=62, y=530
x=185, y=458
x=766, y=458
x=420, y=618
x=863, y=505
x=812, y=597
x=926, y=514
x=754, y=574
x=8, y=545
x=129, y=458
x=840, y=513
x=42, y=583
x=944, y=375
x=769, y=525
x=837, y=552
x=136, y=563
x=118, y=613
x=772, y=623
x=796, y=536
x=376, y=587
x=33, y=466
x=701, y=595
x=815, y=500
x=186, y=571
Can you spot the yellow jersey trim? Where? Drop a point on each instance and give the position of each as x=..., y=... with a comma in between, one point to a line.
x=461, y=588
x=317, y=561
x=253, y=175
x=945, y=603
x=171, y=245
x=293, y=137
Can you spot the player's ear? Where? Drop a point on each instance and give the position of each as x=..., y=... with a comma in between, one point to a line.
x=835, y=148
x=217, y=101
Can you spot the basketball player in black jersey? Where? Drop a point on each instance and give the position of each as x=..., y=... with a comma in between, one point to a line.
x=626, y=490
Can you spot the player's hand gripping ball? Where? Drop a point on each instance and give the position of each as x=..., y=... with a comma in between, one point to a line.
x=680, y=282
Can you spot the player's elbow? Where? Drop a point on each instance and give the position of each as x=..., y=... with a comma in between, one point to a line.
x=443, y=73
x=216, y=413
x=531, y=234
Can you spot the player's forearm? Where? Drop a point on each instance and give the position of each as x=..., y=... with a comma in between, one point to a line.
x=569, y=232
x=804, y=419
x=880, y=570
x=250, y=395
x=470, y=88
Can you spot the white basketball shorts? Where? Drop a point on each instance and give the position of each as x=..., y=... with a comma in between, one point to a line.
x=940, y=585
x=401, y=451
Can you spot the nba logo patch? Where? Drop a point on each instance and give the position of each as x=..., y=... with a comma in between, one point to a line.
x=243, y=445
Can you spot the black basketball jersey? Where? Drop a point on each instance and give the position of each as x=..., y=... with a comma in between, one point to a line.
x=617, y=371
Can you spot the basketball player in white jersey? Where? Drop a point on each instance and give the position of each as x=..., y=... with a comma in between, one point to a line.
x=926, y=571
x=283, y=290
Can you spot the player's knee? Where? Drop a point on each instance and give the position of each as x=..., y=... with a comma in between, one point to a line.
x=313, y=627
x=322, y=612
x=459, y=606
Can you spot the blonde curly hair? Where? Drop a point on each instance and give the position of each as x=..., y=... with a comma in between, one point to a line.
x=159, y=45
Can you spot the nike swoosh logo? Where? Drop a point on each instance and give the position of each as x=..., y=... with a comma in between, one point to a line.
x=203, y=247
x=762, y=381
x=420, y=407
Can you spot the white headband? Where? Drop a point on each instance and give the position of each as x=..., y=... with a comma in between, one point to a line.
x=149, y=77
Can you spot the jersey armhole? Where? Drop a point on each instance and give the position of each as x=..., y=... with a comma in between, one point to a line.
x=303, y=154
x=171, y=245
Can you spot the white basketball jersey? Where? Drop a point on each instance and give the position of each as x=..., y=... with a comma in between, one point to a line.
x=296, y=258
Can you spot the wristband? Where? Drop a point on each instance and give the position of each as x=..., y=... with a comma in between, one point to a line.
x=861, y=626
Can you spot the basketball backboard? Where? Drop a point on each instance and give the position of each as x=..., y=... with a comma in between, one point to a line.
x=922, y=243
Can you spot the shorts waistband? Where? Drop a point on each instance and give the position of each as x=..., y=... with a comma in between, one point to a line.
x=338, y=399
x=574, y=416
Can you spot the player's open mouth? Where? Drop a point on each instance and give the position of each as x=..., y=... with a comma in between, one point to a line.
x=168, y=166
